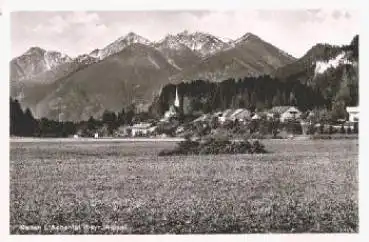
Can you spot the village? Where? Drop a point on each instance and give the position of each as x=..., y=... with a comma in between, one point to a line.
x=277, y=122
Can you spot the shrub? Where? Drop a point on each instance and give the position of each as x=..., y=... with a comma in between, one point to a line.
x=349, y=131
x=215, y=146
x=356, y=128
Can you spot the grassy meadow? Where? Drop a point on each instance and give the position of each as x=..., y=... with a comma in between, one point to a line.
x=124, y=187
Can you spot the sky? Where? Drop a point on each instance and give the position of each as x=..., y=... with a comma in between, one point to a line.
x=74, y=33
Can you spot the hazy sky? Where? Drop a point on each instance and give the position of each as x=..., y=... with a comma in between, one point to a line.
x=73, y=33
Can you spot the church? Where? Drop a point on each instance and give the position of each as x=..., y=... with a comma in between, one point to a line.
x=174, y=109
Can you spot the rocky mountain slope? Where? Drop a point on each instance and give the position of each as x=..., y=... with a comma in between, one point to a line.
x=130, y=76
x=247, y=56
x=331, y=70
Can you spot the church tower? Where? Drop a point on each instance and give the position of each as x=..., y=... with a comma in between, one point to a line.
x=176, y=101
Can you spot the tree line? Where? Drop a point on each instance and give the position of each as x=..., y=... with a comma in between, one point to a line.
x=23, y=123
x=254, y=93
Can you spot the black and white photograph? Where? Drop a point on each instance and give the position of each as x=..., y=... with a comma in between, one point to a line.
x=237, y=121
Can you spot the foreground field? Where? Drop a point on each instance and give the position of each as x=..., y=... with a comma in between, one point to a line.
x=124, y=187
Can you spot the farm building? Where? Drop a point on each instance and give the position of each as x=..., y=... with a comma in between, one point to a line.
x=353, y=114
x=284, y=112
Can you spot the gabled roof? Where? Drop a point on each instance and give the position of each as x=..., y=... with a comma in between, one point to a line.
x=256, y=116
x=281, y=109
x=204, y=117
x=227, y=113
x=241, y=114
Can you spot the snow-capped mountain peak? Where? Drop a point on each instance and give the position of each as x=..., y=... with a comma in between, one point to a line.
x=36, y=61
x=119, y=45
x=246, y=37
x=131, y=38
x=203, y=43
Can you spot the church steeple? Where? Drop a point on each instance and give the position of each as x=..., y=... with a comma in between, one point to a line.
x=176, y=101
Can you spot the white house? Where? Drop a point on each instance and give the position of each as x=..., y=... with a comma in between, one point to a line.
x=353, y=114
x=285, y=113
x=141, y=129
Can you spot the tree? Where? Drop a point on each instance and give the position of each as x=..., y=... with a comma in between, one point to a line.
x=349, y=131
x=321, y=129
x=277, y=99
x=253, y=100
x=91, y=124
x=330, y=131
x=130, y=113
x=214, y=123
x=275, y=127
x=110, y=119
x=356, y=128
x=121, y=117
x=338, y=110
x=16, y=117
x=29, y=124
x=292, y=99
x=187, y=109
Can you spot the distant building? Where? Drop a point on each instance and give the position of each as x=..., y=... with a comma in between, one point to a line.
x=176, y=101
x=225, y=115
x=353, y=114
x=285, y=113
x=240, y=114
x=256, y=117
x=142, y=129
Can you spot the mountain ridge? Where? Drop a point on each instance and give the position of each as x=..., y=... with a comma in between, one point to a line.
x=134, y=70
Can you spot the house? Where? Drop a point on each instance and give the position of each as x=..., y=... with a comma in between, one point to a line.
x=141, y=129
x=241, y=115
x=256, y=117
x=353, y=114
x=284, y=113
x=225, y=115
x=203, y=118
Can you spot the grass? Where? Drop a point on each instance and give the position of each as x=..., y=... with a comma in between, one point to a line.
x=302, y=186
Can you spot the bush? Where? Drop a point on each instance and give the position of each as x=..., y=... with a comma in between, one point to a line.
x=215, y=146
x=356, y=128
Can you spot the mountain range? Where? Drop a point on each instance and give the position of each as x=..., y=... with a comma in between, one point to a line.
x=133, y=69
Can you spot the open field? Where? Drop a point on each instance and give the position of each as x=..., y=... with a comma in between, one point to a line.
x=124, y=187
